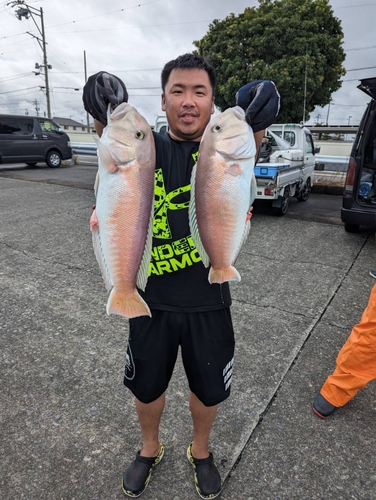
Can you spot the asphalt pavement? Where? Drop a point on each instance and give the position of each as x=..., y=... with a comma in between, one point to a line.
x=68, y=427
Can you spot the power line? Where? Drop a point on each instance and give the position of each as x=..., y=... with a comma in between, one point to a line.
x=351, y=6
x=106, y=13
x=361, y=48
x=360, y=69
x=15, y=77
x=132, y=27
x=20, y=90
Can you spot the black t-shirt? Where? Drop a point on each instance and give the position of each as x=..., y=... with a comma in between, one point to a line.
x=178, y=280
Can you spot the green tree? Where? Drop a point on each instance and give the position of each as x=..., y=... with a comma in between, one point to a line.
x=295, y=43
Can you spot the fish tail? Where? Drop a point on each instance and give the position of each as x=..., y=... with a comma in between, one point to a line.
x=129, y=306
x=222, y=275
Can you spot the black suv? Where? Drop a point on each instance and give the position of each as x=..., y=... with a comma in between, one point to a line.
x=359, y=197
x=32, y=139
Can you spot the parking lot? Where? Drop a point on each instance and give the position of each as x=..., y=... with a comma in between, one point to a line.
x=67, y=425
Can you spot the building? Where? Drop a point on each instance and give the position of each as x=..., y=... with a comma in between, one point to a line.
x=70, y=125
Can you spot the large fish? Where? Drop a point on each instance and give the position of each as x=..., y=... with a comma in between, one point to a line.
x=122, y=221
x=223, y=187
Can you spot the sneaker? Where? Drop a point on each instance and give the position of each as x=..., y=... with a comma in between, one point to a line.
x=322, y=407
x=207, y=477
x=373, y=273
x=137, y=476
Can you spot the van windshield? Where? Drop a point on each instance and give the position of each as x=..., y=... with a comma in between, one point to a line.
x=48, y=126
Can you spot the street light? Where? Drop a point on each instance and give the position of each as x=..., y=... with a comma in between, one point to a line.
x=348, y=123
x=26, y=11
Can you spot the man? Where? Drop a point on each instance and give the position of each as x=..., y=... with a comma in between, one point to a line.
x=356, y=364
x=186, y=310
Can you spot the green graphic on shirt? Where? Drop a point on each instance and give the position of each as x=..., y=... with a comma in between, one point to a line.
x=169, y=257
x=162, y=203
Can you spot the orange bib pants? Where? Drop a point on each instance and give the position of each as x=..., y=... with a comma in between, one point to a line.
x=356, y=361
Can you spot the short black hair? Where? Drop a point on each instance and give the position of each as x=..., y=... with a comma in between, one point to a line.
x=188, y=61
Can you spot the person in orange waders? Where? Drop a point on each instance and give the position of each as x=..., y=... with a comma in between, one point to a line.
x=356, y=364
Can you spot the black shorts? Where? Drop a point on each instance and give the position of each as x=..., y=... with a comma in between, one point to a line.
x=207, y=346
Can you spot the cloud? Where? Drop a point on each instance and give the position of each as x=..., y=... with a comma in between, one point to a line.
x=133, y=40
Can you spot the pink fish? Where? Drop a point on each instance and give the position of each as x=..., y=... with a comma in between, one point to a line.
x=223, y=187
x=121, y=224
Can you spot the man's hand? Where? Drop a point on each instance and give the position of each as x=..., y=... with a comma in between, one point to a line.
x=260, y=101
x=101, y=90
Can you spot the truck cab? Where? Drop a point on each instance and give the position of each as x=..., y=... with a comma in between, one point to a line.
x=285, y=166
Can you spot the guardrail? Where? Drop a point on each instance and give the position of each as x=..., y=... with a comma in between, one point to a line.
x=90, y=149
x=331, y=159
x=84, y=148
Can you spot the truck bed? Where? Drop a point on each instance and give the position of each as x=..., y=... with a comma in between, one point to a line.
x=270, y=170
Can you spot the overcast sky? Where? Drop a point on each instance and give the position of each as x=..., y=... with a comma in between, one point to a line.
x=134, y=39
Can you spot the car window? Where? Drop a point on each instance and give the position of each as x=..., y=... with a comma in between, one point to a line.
x=309, y=143
x=370, y=148
x=16, y=126
x=48, y=126
x=288, y=136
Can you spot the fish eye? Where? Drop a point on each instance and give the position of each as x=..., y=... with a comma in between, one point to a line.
x=216, y=128
x=140, y=134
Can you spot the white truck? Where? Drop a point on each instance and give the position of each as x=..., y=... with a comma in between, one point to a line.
x=286, y=165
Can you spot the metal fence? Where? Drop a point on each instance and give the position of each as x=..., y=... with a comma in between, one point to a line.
x=330, y=163
x=84, y=148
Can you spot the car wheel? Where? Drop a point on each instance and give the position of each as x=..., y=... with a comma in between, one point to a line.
x=31, y=164
x=285, y=202
x=53, y=159
x=304, y=194
x=352, y=228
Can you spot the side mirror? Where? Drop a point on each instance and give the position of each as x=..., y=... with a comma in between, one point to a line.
x=317, y=149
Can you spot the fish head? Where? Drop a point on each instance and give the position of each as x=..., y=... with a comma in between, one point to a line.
x=128, y=137
x=229, y=135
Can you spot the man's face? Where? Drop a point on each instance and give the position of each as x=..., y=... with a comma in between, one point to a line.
x=188, y=102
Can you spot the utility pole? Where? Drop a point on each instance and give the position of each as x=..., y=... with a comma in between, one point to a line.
x=305, y=87
x=27, y=11
x=87, y=114
x=37, y=108
x=327, y=116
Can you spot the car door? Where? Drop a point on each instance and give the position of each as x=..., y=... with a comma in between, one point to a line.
x=309, y=152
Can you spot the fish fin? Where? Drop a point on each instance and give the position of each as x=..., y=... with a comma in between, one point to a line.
x=94, y=221
x=235, y=169
x=246, y=228
x=129, y=306
x=105, y=157
x=193, y=222
x=143, y=272
x=96, y=184
x=253, y=190
x=247, y=225
x=98, y=252
x=222, y=275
